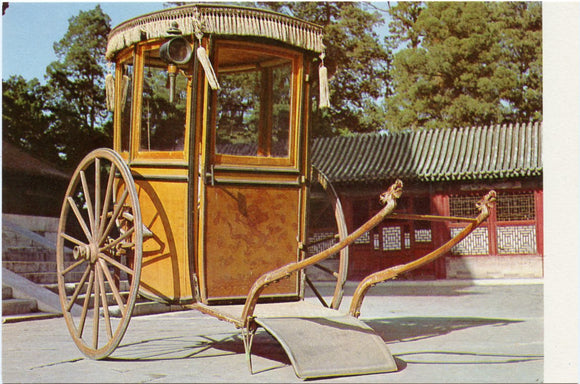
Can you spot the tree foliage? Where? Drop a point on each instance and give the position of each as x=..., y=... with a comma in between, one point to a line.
x=465, y=63
x=443, y=64
x=26, y=122
x=358, y=63
x=66, y=118
x=76, y=85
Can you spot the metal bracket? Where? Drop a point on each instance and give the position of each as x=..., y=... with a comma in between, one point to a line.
x=248, y=337
x=211, y=176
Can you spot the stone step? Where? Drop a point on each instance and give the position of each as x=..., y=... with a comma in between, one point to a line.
x=31, y=253
x=6, y=292
x=27, y=254
x=28, y=317
x=18, y=306
x=70, y=287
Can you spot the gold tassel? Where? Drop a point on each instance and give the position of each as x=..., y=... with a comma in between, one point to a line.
x=323, y=83
x=208, y=69
x=110, y=92
x=125, y=90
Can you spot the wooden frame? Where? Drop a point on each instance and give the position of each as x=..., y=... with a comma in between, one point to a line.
x=296, y=92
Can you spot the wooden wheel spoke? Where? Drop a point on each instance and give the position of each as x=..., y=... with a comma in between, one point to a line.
x=114, y=289
x=323, y=211
x=78, y=288
x=72, y=239
x=73, y=266
x=101, y=205
x=106, y=201
x=117, y=264
x=96, y=310
x=86, y=305
x=97, y=196
x=115, y=215
x=316, y=292
x=88, y=201
x=118, y=240
x=79, y=217
x=327, y=270
x=104, y=299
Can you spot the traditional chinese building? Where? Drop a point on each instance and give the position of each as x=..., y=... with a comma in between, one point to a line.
x=445, y=172
x=30, y=186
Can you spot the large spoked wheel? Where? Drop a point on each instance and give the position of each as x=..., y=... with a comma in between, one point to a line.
x=326, y=227
x=99, y=251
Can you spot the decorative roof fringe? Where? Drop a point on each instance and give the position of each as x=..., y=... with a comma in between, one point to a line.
x=219, y=20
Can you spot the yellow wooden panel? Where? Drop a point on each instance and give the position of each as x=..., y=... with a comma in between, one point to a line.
x=165, y=270
x=249, y=231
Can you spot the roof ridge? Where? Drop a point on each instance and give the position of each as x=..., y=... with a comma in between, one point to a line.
x=434, y=154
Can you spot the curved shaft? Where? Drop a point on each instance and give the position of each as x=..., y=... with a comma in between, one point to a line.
x=483, y=205
x=389, y=198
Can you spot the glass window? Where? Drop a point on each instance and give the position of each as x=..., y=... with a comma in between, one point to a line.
x=162, y=120
x=253, y=114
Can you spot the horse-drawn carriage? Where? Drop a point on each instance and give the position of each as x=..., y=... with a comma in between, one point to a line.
x=204, y=200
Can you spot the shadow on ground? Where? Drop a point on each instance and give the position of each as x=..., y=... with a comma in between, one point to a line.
x=401, y=329
x=199, y=346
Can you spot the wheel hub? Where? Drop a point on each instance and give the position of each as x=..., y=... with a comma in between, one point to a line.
x=89, y=252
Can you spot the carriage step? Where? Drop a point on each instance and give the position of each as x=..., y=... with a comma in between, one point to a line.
x=330, y=346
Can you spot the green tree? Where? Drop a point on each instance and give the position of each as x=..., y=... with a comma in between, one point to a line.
x=520, y=26
x=462, y=64
x=357, y=62
x=76, y=85
x=25, y=120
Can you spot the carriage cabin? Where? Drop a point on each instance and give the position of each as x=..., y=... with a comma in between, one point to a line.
x=218, y=146
x=205, y=196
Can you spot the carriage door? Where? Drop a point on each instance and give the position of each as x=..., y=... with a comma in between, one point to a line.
x=253, y=199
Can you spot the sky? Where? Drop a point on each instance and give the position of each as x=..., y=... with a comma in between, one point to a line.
x=29, y=30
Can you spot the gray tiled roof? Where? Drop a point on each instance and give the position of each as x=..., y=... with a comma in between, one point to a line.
x=506, y=151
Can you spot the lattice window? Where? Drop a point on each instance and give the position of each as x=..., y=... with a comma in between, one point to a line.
x=476, y=243
x=376, y=242
x=319, y=247
x=423, y=236
x=407, y=239
x=513, y=207
x=515, y=240
x=364, y=239
x=391, y=238
x=463, y=206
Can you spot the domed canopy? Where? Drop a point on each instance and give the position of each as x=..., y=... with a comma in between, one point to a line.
x=216, y=20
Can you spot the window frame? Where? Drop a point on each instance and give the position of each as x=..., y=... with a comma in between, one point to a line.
x=126, y=56
x=296, y=89
x=155, y=155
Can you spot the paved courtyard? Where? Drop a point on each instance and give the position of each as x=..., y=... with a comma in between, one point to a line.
x=438, y=333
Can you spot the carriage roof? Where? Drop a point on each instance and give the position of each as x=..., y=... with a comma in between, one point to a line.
x=217, y=20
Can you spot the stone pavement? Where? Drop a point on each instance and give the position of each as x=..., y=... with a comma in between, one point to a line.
x=439, y=332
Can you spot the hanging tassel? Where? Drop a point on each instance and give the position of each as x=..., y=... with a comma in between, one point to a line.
x=323, y=83
x=202, y=54
x=208, y=69
x=125, y=90
x=110, y=92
